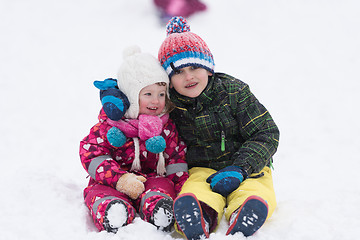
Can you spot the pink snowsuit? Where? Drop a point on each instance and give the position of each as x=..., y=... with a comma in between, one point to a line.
x=106, y=164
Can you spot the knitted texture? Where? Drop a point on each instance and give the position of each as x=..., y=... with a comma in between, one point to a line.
x=131, y=184
x=155, y=144
x=182, y=48
x=116, y=137
x=137, y=71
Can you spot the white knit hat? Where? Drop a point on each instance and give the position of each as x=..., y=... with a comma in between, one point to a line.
x=136, y=72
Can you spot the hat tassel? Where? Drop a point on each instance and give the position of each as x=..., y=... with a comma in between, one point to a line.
x=136, y=166
x=161, y=165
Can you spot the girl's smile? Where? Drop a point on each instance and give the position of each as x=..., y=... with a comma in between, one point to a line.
x=152, y=99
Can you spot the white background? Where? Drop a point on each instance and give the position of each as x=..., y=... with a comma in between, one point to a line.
x=300, y=58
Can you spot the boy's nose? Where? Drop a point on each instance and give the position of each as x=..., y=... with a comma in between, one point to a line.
x=188, y=75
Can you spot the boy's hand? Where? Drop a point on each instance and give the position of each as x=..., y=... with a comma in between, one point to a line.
x=226, y=180
x=131, y=184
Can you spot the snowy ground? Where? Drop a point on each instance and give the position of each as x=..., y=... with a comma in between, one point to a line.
x=301, y=59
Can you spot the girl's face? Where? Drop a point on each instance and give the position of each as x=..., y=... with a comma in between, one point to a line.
x=190, y=81
x=152, y=99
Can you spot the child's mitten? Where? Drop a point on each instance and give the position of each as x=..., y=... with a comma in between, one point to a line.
x=131, y=184
x=106, y=84
x=115, y=103
x=226, y=180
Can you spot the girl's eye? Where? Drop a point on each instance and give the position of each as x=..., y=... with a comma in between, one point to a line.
x=147, y=94
x=162, y=94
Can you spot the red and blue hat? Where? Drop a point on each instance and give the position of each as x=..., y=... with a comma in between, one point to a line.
x=182, y=48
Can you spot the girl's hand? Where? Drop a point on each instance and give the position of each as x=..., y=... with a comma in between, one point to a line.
x=131, y=184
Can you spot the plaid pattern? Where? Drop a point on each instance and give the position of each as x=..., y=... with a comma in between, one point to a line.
x=226, y=105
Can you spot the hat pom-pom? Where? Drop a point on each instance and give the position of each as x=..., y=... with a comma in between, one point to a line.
x=130, y=51
x=116, y=137
x=155, y=144
x=177, y=25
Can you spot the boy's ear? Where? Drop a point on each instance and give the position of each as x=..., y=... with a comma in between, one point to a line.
x=209, y=74
x=170, y=85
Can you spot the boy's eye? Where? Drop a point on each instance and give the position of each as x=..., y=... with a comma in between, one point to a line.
x=177, y=71
x=194, y=67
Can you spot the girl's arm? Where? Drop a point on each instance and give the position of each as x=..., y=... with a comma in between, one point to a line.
x=175, y=152
x=96, y=156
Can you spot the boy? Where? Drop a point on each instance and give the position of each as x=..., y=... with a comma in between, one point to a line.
x=230, y=136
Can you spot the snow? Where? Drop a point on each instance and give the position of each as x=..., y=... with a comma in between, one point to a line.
x=162, y=218
x=300, y=58
x=117, y=215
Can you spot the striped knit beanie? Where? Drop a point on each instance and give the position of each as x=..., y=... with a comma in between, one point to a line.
x=182, y=48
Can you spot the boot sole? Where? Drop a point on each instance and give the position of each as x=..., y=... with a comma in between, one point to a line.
x=189, y=217
x=158, y=205
x=251, y=216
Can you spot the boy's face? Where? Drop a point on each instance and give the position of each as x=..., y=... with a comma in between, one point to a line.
x=152, y=99
x=190, y=81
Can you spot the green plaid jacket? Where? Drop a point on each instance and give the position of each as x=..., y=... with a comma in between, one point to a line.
x=225, y=125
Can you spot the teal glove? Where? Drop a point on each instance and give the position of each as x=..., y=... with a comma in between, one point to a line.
x=226, y=180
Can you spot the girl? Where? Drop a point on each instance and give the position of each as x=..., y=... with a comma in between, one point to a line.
x=136, y=162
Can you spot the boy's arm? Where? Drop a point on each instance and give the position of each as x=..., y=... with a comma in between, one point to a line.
x=259, y=131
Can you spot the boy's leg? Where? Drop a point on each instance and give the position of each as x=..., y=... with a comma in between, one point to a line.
x=190, y=218
x=212, y=204
x=106, y=204
x=259, y=188
x=249, y=217
x=155, y=204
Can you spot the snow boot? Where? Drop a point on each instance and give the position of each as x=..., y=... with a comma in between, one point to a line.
x=249, y=217
x=162, y=216
x=189, y=217
x=116, y=215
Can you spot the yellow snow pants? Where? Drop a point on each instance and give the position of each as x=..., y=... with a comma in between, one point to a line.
x=260, y=186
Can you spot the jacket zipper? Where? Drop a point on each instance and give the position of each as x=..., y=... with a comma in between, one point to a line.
x=223, y=137
x=222, y=141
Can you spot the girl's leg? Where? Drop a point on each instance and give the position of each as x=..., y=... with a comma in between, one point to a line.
x=155, y=204
x=109, y=208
